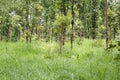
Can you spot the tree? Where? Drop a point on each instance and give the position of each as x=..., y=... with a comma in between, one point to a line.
x=61, y=22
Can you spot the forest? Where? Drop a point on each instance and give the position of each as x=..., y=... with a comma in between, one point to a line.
x=59, y=39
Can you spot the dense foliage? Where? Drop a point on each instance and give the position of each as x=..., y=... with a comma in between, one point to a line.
x=58, y=19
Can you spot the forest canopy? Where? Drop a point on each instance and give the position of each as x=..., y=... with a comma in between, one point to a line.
x=59, y=20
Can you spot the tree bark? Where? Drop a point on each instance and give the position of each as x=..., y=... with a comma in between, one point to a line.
x=27, y=20
x=72, y=23
x=64, y=30
x=106, y=22
x=61, y=40
x=0, y=35
x=8, y=34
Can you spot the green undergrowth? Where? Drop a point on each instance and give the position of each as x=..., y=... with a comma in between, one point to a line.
x=89, y=60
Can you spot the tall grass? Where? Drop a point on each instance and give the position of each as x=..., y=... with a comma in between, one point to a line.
x=42, y=61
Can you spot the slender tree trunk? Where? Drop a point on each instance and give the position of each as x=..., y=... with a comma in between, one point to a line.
x=106, y=22
x=8, y=34
x=36, y=30
x=51, y=35
x=114, y=33
x=19, y=36
x=0, y=36
x=94, y=26
x=88, y=32
x=94, y=18
x=60, y=40
x=41, y=35
x=72, y=31
x=56, y=37
x=27, y=20
x=46, y=28
x=64, y=30
x=31, y=35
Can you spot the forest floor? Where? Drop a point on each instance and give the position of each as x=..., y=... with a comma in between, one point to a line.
x=42, y=61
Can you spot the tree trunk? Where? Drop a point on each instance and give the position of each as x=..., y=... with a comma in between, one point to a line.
x=1, y=36
x=64, y=30
x=31, y=34
x=94, y=18
x=72, y=36
x=27, y=21
x=106, y=22
x=114, y=33
x=46, y=28
x=8, y=35
x=60, y=40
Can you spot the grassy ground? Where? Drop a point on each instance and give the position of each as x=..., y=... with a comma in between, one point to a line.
x=42, y=61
